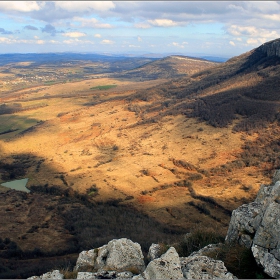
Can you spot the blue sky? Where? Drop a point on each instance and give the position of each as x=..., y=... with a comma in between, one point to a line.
x=217, y=28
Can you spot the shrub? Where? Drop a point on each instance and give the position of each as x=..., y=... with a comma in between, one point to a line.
x=239, y=261
x=195, y=177
x=92, y=191
x=196, y=240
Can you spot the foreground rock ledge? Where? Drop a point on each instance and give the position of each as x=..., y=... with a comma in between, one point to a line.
x=123, y=259
x=257, y=226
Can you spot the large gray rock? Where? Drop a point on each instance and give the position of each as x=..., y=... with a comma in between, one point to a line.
x=86, y=260
x=244, y=222
x=165, y=267
x=267, y=260
x=118, y=255
x=202, y=267
x=257, y=226
x=121, y=255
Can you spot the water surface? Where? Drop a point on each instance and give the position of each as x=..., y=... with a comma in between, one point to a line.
x=18, y=185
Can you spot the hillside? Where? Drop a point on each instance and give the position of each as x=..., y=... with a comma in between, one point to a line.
x=148, y=160
x=245, y=86
x=167, y=68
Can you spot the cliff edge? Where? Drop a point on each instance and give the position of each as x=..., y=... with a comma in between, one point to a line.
x=257, y=226
x=271, y=48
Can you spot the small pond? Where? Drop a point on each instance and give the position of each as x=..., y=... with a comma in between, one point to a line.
x=18, y=185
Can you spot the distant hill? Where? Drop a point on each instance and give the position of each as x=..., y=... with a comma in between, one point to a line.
x=174, y=66
x=109, y=63
x=246, y=86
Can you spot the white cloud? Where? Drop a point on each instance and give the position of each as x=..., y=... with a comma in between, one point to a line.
x=68, y=42
x=252, y=41
x=260, y=34
x=74, y=34
x=142, y=25
x=263, y=6
x=77, y=41
x=273, y=17
x=107, y=42
x=91, y=23
x=178, y=45
x=163, y=22
x=97, y=36
x=84, y=6
x=236, y=30
x=40, y=42
x=232, y=43
x=5, y=40
x=20, y=6
x=133, y=46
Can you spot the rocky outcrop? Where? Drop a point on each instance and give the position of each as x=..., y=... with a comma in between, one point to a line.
x=118, y=255
x=257, y=226
x=86, y=260
x=202, y=267
x=165, y=267
x=271, y=48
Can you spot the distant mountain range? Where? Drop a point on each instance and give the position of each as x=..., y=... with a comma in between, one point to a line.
x=68, y=57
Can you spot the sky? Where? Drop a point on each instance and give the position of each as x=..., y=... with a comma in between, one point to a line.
x=214, y=28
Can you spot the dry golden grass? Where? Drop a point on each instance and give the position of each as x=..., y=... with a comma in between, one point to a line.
x=101, y=145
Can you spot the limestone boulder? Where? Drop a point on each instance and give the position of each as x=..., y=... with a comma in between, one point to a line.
x=266, y=243
x=118, y=255
x=267, y=261
x=243, y=224
x=86, y=260
x=165, y=267
x=202, y=267
x=121, y=255
x=257, y=226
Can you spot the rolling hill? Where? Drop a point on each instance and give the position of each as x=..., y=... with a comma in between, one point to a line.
x=166, y=68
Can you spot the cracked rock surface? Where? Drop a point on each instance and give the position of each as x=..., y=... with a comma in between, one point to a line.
x=257, y=226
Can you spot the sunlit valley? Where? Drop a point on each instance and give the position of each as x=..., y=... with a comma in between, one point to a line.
x=136, y=147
